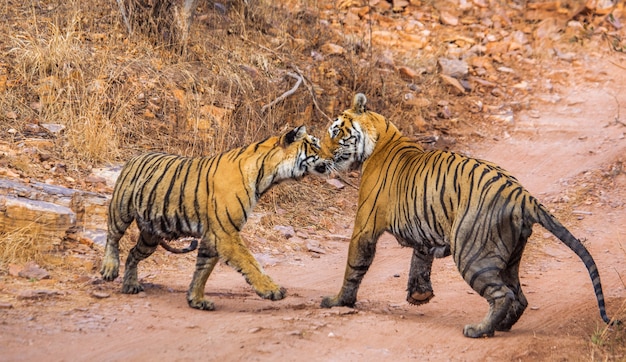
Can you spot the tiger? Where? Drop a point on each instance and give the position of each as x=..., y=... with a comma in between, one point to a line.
x=439, y=203
x=205, y=198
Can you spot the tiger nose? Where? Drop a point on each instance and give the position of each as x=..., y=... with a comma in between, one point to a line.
x=321, y=168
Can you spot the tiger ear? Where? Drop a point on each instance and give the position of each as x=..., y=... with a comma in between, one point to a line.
x=294, y=135
x=358, y=103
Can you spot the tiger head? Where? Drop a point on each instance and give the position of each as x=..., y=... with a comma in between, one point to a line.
x=304, y=150
x=351, y=138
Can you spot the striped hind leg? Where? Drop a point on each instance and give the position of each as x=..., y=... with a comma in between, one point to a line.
x=146, y=245
x=420, y=289
x=511, y=277
x=519, y=303
x=482, y=271
x=489, y=285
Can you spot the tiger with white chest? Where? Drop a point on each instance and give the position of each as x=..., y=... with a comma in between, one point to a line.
x=440, y=203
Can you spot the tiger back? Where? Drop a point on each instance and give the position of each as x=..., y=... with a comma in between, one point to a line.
x=440, y=203
x=207, y=198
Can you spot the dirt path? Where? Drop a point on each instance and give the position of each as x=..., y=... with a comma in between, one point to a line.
x=558, y=151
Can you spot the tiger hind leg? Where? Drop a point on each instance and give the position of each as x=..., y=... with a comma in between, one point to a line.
x=487, y=282
x=420, y=289
x=206, y=261
x=519, y=304
x=146, y=245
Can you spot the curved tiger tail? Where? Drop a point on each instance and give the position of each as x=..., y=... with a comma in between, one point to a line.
x=193, y=245
x=550, y=223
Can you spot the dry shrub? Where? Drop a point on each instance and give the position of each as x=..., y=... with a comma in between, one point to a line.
x=608, y=342
x=58, y=67
x=23, y=245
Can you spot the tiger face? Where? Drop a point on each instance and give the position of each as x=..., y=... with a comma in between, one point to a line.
x=304, y=150
x=351, y=138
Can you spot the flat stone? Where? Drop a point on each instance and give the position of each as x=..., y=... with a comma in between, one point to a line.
x=33, y=271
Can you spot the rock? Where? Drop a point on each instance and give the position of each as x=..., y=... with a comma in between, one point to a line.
x=399, y=5
x=568, y=56
x=37, y=294
x=109, y=174
x=336, y=183
x=506, y=117
x=447, y=18
x=455, y=68
x=453, y=82
x=53, y=127
x=314, y=246
x=601, y=7
x=33, y=271
x=417, y=102
x=43, y=220
x=93, y=179
x=548, y=28
x=100, y=294
x=506, y=70
x=210, y=116
x=252, y=71
x=407, y=73
x=385, y=61
x=286, y=231
x=14, y=269
x=382, y=6
x=49, y=212
x=8, y=173
x=332, y=49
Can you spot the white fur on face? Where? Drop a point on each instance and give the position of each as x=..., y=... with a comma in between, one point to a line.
x=353, y=147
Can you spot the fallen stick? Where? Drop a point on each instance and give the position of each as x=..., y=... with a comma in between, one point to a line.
x=284, y=95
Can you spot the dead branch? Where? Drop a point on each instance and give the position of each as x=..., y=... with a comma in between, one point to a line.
x=120, y=3
x=307, y=83
x=310, y=88
x=284, y=95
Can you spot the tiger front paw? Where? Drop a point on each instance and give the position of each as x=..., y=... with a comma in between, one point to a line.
x=109, y=271
x=201, y=304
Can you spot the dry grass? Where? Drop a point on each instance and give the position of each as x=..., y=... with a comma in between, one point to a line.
x=23, y=245
x=608, y=342
x=74, y=64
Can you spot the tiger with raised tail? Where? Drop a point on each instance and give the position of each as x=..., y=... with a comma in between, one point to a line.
x=206, y=198
x=440, y=203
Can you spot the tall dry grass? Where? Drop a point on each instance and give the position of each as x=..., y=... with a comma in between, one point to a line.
x=116, y=94
x=22, y=245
